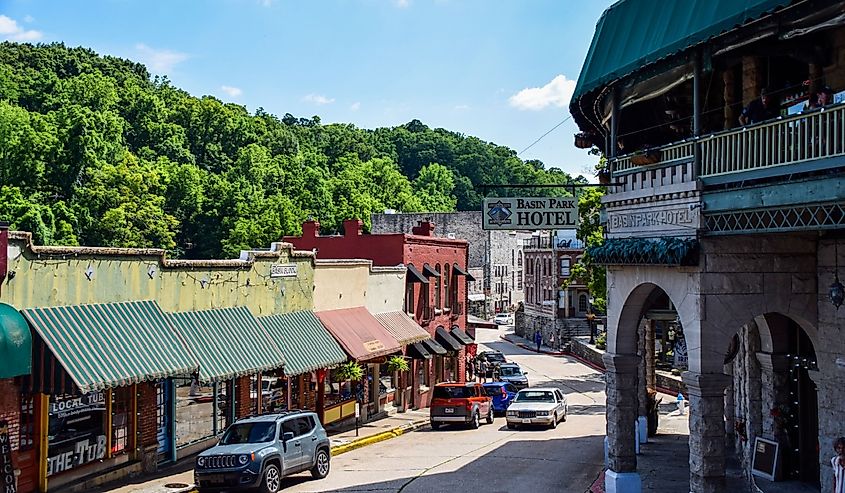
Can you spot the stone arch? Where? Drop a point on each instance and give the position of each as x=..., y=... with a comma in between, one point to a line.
x=632, y=311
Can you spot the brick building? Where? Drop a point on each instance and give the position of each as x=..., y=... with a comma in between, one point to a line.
x=435, y=289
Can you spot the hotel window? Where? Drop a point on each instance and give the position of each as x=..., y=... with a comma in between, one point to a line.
x=409, y=297
x=447, y=284
x=437, y=287
x=564, y=266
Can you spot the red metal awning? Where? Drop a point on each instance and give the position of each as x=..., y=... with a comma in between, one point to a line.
x=360, y=334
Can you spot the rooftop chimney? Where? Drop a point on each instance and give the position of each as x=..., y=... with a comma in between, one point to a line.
x=352, y=227
x=424, y=228
x=310, y=229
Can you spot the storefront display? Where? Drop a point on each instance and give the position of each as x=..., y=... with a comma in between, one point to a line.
x=195, y=411
x=76, y=431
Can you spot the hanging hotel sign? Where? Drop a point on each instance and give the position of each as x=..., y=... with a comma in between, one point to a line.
x=283, y=270
x=530, y=213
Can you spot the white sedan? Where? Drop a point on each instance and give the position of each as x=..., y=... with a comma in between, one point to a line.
x=537, y=406
x=503, y=319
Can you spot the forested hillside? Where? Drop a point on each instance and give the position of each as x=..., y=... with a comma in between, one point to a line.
x=95, y=151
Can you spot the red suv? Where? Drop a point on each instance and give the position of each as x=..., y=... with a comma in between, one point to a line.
x=460, y=403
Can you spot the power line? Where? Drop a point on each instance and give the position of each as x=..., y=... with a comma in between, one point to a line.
x=547, y=133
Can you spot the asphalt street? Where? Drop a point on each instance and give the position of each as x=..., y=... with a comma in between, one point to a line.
x=491, y=459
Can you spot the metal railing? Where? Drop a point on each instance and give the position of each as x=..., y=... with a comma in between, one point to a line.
x=670, y=153
x=804, y=137
x=537, y=242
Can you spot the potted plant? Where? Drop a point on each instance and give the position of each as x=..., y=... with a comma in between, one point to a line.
x=645, y=157
x=349, y=371
x=397, y=363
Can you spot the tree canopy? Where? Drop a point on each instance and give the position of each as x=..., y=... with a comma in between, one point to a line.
x=95, y=151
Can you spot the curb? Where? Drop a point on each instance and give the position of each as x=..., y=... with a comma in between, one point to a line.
x=531, y=348
x=379, y=437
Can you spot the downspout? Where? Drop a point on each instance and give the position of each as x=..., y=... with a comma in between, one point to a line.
x=4, y=252
x=696, y=112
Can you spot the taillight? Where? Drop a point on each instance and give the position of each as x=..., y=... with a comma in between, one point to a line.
x=468, y=405
x=504, y=394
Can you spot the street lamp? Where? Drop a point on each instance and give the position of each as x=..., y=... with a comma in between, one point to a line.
x=591, y=317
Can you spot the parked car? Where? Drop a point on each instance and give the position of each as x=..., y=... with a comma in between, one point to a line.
x=503, y=319
x=512, y=373
x=460, y=403
x=502, y=394
x=257, y=452
x=540, y=405
x=492, y=358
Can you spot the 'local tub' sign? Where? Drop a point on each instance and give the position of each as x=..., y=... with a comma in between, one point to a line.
x=530, y=213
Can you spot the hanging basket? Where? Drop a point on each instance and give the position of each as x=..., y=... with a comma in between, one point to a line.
x=645, y=158
x=604, y=177
x=583, y=141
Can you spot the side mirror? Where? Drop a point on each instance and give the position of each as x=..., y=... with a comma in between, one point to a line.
x=287, y=436
x=525, y=373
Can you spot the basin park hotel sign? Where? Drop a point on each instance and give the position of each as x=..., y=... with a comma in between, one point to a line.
x=530, y=213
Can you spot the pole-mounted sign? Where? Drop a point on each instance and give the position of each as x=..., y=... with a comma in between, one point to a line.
x=508, y=213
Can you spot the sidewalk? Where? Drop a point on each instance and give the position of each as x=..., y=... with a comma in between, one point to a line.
x=530, y=346
x=179, y=477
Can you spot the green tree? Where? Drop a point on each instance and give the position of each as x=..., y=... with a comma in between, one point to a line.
x=591, y=232
x=434, y=188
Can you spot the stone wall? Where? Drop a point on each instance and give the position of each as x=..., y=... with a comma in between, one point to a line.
x=464, y=225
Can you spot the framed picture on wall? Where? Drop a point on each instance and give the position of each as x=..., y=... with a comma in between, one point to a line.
x=765, y=460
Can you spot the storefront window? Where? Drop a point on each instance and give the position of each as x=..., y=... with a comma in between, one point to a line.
x=422, y=373
x=387, y=383
x=121, y=422
x=75, y=434
x=438, y=369
x=27, y=428
x=194, y=410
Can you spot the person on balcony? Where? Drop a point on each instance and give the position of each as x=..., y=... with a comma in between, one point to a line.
x=759, y=110
x=823, y=98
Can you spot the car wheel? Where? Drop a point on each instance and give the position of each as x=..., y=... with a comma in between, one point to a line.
x=435, y=425
x=490, y=416
x=554, y=422
x=322, y=464
x=565, y=411
x=476, y=421
x=272, y=481
x=511, y=426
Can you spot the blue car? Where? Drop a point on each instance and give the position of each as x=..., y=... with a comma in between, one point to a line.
x=502, y=394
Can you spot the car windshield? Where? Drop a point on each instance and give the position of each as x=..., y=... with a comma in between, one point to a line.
x=453, y=392
x=508, y=371
x=249, y=433
x=493, y=390
x=535, y=396
x=497, y=357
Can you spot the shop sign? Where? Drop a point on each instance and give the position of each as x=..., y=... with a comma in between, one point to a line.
x=7, y=470
x=283, y=270
x=509, y=213
x=71, y=455
x=373, y=346
x=95, y=401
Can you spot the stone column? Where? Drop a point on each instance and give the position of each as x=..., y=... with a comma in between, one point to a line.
x=707, y=431
x=774, y=389
x=642, y=387
x=622, y=404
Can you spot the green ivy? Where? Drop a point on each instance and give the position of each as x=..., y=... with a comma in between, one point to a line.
x=633, y=251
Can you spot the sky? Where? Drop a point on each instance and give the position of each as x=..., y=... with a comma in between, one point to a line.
x=502, y=71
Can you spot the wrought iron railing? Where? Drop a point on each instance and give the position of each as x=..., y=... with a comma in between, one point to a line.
x=663, y=155
x=537, y=242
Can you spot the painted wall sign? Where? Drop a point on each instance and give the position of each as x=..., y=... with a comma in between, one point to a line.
x=283, y=270
x=682, y=216
x=95, y=401
x=529, y=213
x=373, y=346
x=7, y=470
x=69, y=455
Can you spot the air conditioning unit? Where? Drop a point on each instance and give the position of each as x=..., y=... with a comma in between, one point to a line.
x=451, y=236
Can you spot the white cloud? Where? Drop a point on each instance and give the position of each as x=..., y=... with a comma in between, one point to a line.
x=462, y=107
x=402, y=4
x=9, y=29
x=232, y=91
x=159, y=60
x=558, y=92
x=318, y=99
x=355, y=106
x=265, y=3
x=28, y=19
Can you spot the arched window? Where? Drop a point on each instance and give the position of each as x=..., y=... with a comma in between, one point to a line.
x=582, y=303
x=437, y=287
x=519, y=260
x=447, y=284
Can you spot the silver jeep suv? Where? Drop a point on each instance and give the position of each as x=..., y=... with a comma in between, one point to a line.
x=257, y=452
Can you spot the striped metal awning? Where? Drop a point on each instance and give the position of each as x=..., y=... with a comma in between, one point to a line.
x=402, y=327
x=359, y=333
x=109, y=345
x=306, y=344
x=227, y=342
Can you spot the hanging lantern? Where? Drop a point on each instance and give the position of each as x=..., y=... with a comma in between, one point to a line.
x=836, y=292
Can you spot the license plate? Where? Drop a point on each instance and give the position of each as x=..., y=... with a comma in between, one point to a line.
x=215, y=478
x=526, y=420
x=449, y=410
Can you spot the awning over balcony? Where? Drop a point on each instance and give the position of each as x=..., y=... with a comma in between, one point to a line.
x=461, y=336
x=414, y=275
x=446, y=340
x=634, y=33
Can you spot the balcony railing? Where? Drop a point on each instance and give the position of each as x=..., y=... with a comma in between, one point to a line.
x=801, y=138
x=804, y=137
x=537, y=243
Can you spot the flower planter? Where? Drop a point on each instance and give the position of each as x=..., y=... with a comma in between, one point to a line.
x=646, y=158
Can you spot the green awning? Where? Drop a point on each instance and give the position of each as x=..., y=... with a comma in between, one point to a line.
x=112, y=344
x=307, y=345
x=227, y=342
x=15, y=343
x=634, y=33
